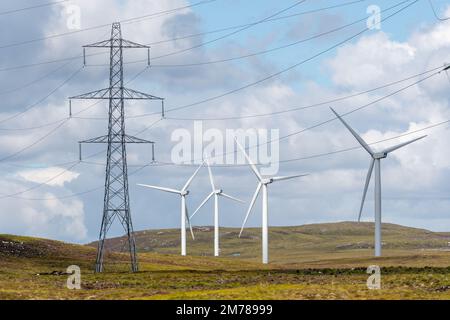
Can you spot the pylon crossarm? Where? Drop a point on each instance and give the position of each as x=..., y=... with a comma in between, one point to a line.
x=102, y=139
x=136, y=95
x=98, y=94
x=100, y=44
x=131, y=44
x=131, y=139
x=128, y=139
x=128, y=94
x=109, y=43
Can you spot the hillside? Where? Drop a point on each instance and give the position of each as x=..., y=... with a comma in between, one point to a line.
x=295, y=245
x=326, y=261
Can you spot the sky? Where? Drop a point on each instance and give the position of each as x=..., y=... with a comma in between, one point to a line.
x=47, y=192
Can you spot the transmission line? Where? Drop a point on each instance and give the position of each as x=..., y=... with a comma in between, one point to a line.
x=183, y=37
x=161, y=164
x=48, y=4
x=147, y=16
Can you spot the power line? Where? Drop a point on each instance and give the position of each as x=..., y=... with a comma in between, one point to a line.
x=435, y=12
x=319, y=104
x=403, y=8
x=160, y=164
x=34, y=81
x=34, y=143
x=279, y=139
x=73, y=164
x=328, y=50
x=319, y=124
x=48, y=4
x=43, y=98
x=248, y=24
x=62, y=172
x=274, y=75
x=74, y=116
x=288, y=68
x=320, y=155
x=183, y=37
x=262, y=52
x=130, y=20
x=231, y=33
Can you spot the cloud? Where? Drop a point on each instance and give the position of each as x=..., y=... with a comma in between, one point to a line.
x=57, y=219
x=54, y=176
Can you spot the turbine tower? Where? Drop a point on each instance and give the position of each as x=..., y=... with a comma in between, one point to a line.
x=375, y=162
x=263, y=183
x=184, y=210
x=116, y=199
x=216, y=193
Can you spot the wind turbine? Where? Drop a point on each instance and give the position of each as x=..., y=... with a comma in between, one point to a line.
x=216, y=193
x=263, y=183
x=184, y=210
x=375, y=162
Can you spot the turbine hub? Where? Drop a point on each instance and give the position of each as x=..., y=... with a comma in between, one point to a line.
x=185, y=193
x=267, y=181
x=380, y=155
x=219, y=191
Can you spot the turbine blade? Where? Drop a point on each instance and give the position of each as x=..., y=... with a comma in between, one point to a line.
x=252, y=165
x=188, y=183
x=211, y=178
x=231, y=198
x=369, y=176
x=189, y=222
x=160, y=188
x=252, y=203
x=202, y=204
x=388, y=150
x=353, y=132
x=289, y=177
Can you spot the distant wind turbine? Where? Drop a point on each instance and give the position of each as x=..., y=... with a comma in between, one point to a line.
x=216, y=193
x=184, y=210
x=263, y=184
x=375, y=162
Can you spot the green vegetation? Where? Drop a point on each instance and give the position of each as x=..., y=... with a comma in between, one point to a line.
x=326, y=261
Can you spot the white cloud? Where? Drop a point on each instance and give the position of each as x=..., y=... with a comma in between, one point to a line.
x=56, y=219
x=53, y=176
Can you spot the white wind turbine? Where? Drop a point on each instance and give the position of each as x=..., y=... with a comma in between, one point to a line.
x=375, y=162
x=263, y=184
x=216, y=193
x=184, y=210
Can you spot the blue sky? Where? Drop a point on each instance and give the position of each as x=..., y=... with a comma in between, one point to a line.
x=414, y=180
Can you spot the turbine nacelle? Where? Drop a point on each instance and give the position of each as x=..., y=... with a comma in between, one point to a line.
x=184, y=193
x=267, y=181
x=380, y=155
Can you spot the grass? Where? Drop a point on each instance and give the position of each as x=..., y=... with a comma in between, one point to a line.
x=310, y=262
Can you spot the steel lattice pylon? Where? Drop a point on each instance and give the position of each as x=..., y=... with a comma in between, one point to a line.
x=116, y=200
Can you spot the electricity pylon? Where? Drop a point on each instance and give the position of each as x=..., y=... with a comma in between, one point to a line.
x=116, y=200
